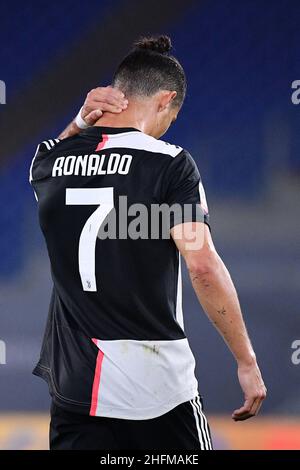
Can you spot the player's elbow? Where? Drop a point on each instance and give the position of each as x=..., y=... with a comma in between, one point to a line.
x=203, y=263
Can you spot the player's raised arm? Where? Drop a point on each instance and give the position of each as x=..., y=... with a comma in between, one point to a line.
x=98, y=101
x=217, y=295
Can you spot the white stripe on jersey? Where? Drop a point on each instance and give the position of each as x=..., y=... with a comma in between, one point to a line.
x=47, y=144
x=203, y=201
x=32, y=161
x=50, y=143
x=179, y=312
x=139, y=141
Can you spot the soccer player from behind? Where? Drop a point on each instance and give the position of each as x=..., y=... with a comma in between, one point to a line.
x=115, y=355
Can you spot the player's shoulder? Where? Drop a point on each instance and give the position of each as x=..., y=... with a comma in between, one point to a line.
x=50, y=147
x=178, y=153
x=47, y=145
x=159, y=146
x=183, y=166
x=43, y=149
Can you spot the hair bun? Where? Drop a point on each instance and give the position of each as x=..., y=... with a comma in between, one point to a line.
x=161, y=44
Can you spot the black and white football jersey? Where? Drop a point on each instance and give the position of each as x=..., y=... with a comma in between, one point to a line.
x=114, y=343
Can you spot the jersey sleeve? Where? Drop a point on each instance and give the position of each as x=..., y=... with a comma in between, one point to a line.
x=35, y=170
x=183, y=190
x=42, y=149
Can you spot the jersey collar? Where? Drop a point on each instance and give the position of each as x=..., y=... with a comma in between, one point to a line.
x=96, y=130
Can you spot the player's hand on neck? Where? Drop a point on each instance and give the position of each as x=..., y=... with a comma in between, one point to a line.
x=151, y=115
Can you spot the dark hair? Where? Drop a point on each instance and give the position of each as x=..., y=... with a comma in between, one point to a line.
x=149, y=68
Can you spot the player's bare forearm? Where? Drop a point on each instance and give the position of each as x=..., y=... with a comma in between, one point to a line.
x=217, y=295
x=71, y=130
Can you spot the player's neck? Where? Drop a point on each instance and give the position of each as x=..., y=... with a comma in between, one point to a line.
x=136, y=116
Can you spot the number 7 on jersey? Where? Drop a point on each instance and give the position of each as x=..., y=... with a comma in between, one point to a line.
x=104, y=198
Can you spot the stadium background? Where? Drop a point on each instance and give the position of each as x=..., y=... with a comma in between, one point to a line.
x=242, y=128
